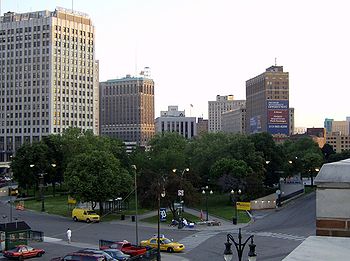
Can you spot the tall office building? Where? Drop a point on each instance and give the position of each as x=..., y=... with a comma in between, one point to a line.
x=218, y=107
x=48, y=76
x=268, y=103
x=127, y=109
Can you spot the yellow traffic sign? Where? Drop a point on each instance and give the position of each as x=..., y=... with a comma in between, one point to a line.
x=243, y=205
x=71, y=200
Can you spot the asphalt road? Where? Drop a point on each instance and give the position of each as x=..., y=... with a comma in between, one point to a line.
x=277, y=232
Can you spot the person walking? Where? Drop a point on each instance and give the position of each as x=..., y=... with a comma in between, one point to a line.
x=69, y=235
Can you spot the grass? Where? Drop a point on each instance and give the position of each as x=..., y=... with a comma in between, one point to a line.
x=58, y=205
x=220, y=206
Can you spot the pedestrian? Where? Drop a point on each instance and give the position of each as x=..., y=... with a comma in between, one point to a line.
x=69, y=235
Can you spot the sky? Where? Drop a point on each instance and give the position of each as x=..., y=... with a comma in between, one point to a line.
x=197, y=49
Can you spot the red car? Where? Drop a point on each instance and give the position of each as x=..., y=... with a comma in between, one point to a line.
x=22, y=251
x=126, y=247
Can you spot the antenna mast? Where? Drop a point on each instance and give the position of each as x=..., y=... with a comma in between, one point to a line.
x=275, y=61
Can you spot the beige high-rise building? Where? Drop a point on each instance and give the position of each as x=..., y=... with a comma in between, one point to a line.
x=218, y=107
x=48, y=76
x=127, y=109
x=268, y=103
x=234, y=121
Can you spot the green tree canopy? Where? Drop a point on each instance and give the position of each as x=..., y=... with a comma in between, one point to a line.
x=96, y=176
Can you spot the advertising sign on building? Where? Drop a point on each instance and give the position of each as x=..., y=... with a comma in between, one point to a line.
x=255, y=124
x=278, y=117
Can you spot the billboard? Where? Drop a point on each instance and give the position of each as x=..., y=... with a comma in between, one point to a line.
x=278, y=117
x=255, y=124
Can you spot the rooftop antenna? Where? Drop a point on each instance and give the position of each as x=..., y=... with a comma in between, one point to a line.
x=275, y=61
x=72, y=5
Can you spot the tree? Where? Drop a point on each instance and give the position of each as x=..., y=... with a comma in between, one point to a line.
x=327, y=151
x=31, y=154
x=96, y=176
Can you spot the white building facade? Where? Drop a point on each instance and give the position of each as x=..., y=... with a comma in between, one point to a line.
x=174, y=120
x=218, y=107
x=48, y=76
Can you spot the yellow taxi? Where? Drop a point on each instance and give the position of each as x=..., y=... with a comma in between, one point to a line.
x=165, y=244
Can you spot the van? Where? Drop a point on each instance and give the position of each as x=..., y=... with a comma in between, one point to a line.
x=85, y=215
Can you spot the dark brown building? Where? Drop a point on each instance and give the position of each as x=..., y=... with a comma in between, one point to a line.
x=127, y=109
x=267, y=102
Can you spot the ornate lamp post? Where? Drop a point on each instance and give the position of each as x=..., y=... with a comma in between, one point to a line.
x=205, y=192
x=239, y=247
x=160, y=194
x=181, y=194
x=234, y=201
x=136, y=210
x=41, y=185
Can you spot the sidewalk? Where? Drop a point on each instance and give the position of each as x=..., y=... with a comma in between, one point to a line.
x=225, y=224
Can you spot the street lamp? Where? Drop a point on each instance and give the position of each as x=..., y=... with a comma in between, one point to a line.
x=41, y=185
x=234, y=199
x=160, y=194
x=136, y=210
x=205, y=192
x=181, y=193
x=239, y=247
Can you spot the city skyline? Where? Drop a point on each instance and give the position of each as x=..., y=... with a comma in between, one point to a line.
x=199, y=49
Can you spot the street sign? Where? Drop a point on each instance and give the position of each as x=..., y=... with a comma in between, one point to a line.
x=243, y=205
x=181, y=192
x=162, y=214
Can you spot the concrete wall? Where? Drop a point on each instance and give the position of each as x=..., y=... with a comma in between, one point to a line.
x=266, y=202
x=333, y=200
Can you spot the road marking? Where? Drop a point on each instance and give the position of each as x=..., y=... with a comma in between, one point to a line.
x=59, y=241
x=195, y=240
x=277, y=235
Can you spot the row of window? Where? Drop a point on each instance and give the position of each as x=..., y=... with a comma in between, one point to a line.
x=73, y=31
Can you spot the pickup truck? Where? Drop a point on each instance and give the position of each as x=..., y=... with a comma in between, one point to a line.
x=125, y=246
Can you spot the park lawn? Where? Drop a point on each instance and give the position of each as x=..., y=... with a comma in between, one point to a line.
x=220, y=206
x=54, y=205
x=58, y=205
x=169, y=218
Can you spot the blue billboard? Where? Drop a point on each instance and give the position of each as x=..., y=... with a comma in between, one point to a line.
x=255, y=124
x=278, y=117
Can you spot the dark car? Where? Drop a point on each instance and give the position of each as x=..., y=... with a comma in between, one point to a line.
x=117, y=254
x=76, y=256
x=23, y=251
x=97, y=251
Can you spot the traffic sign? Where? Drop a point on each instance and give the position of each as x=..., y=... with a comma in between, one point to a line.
x=243, y=205
x=181, y=192
x=162, y=214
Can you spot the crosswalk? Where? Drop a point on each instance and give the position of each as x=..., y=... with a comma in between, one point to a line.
x=192, y=241
x=276, y=235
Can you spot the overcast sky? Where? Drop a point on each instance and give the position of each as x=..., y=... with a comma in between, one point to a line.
x=197, y=49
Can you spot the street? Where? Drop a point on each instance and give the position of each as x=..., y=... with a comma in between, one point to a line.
x=277, y=232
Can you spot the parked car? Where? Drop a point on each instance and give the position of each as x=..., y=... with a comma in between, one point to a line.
x=165, y=244
x=23, y=251
x=85, y=215
x=125, y=246
x=96, y=251
x=117, y=254
x=76, y=256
